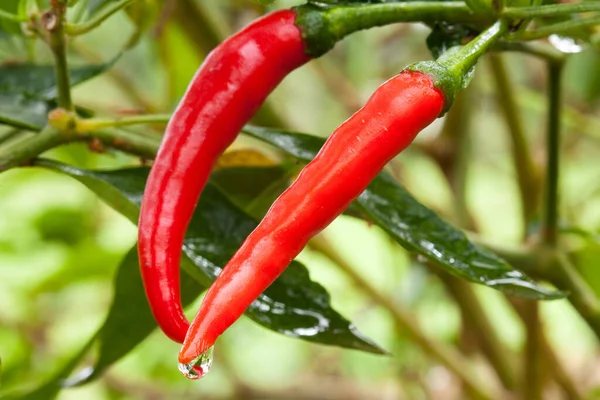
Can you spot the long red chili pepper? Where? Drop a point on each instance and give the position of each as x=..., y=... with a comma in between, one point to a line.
x=227, y=90
x=353, y=155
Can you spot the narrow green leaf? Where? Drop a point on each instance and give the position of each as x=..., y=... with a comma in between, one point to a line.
x=417, y=228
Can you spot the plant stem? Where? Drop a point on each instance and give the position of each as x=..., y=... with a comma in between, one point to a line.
x=550, y=10
x=10, y=17
x=542, y=51
x=557, y=28
x=554, y=365
x=25, y=151
x=54, y=24
x=143, y=146
x=405, y=321
x=549, y=227
x=94, y=124
x=97, y=19
x=470, y=305
x=532, y=378
x=460, y=63
x=31, y=148
x=566, y=277
x=9, y=135
x=523, y=162
x=452, y=152
x=344, y=20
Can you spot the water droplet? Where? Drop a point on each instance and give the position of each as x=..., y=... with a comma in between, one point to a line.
x=565, y=44
x=198, y=367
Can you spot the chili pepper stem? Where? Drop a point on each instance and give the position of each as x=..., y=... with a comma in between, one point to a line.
x=460, y=63
x=323, y=26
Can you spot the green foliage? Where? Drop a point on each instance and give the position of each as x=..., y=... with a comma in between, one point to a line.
x=54, y=253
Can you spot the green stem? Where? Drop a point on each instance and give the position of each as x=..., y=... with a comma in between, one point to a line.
x=9, y=135
x=97, y=19
x=10, y=17
x=456, y=135
x=553, y=10
x=473, y=312
x=480, y=6
x=94, y=124
x=322, y=27
x=460, y=63
x=523, y=162
x=56, y=40
x=566, y=277
x=23, y=152
x=143, y=146
x=557, y=28
x=405, y=321
x=532, y=378
x=539, y=50
x=550, y=229
x=27, y=150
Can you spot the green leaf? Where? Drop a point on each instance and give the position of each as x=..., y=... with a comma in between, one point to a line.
x=23, y=112
x=27, y=91
x=38, y=80
x=253, y=189
x=51, y=388
x=417, y=228
x=292, y=305
x=129, y=319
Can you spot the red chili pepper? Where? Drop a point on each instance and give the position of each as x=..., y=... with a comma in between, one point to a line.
x=354, y=154
x=227, y=90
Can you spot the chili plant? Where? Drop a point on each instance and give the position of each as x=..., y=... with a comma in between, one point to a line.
x=225, y=189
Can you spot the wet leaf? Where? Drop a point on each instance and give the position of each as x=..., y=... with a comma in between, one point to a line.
x=417, y=228
x=293, y=305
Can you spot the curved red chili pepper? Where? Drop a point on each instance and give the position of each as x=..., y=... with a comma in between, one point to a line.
x=354, y=154
x=227, y=90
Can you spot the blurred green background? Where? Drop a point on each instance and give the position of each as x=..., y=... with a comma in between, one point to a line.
x=60, y=245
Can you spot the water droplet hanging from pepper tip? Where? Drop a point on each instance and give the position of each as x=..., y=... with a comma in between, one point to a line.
x=198, y=367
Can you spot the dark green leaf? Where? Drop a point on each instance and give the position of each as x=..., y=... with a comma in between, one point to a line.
x=292, y=305
x=129, y=319
x=252, y=188
x=33, y=80
x=417, y=228
x=23, y=112
x=27, y=91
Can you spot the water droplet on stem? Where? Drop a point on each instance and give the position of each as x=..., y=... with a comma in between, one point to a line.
x=198, y=367
x=565, y=44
